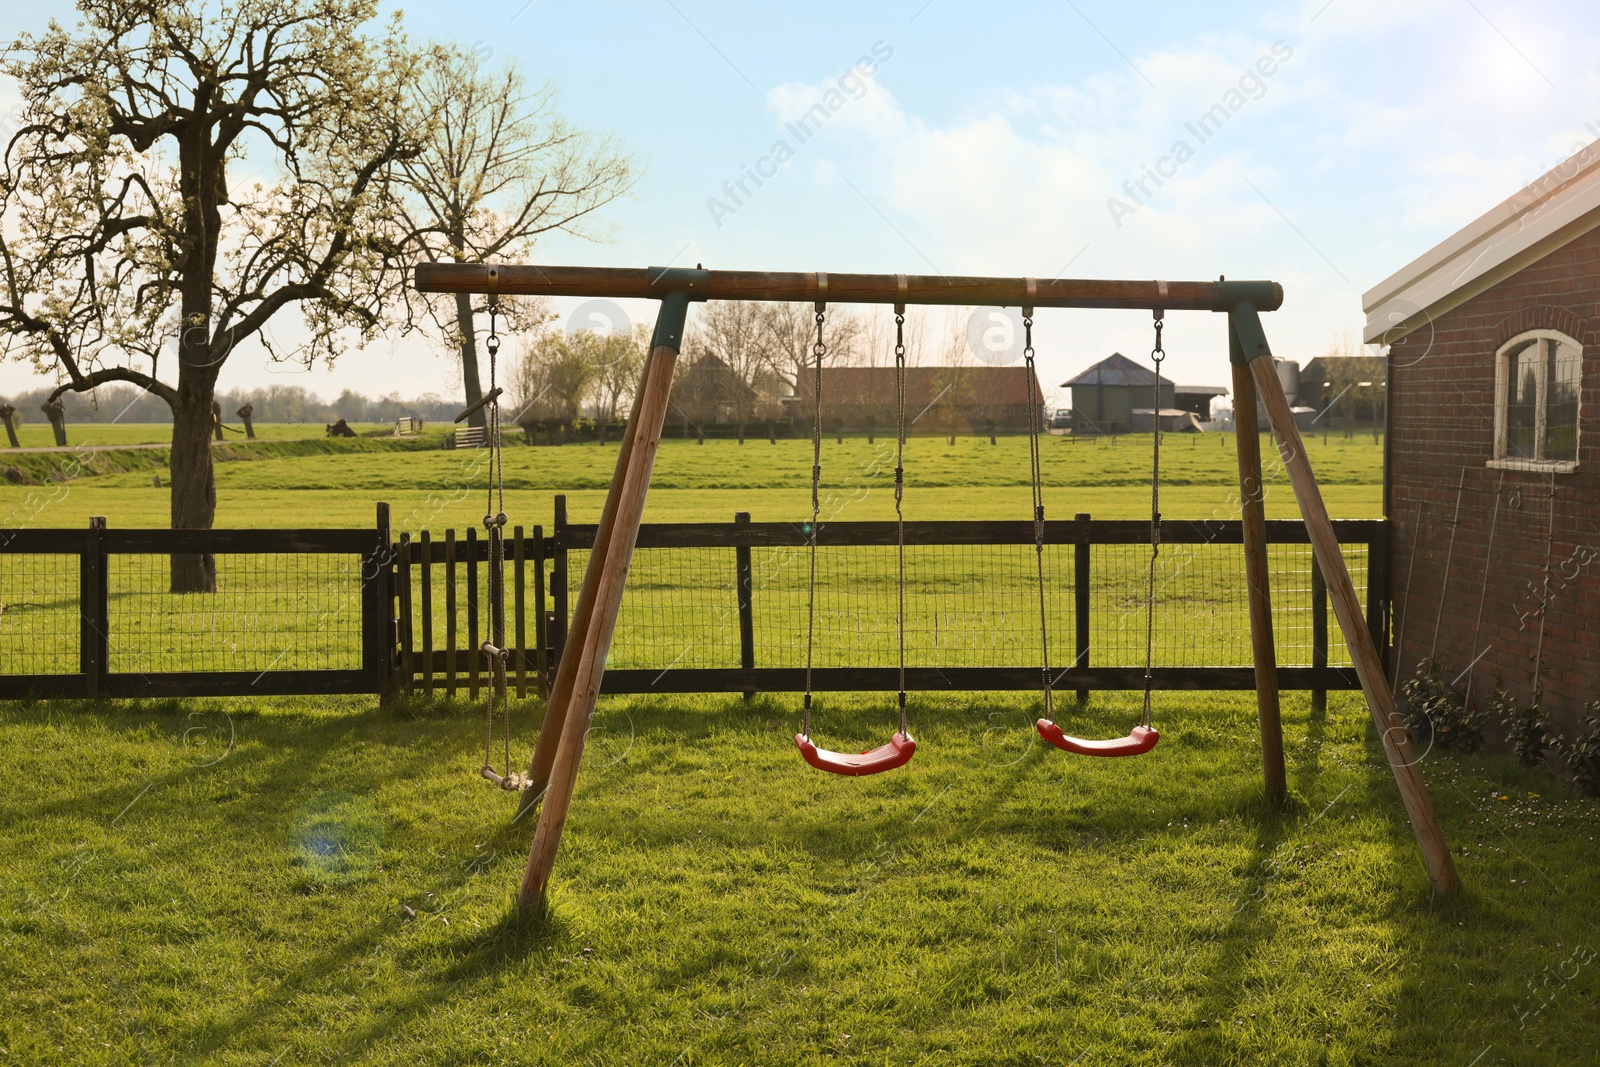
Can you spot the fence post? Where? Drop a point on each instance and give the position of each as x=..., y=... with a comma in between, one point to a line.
x=425, y=580
x=558, y=587
x=385, y=630
x=1080, y=592
x=473, y=654
x=1319, y=636
x=407, y=616
x=746, y=587
x=521, y=646
x=450, y=612
x=1378, y=600
x=93, y=611
x=541, y=632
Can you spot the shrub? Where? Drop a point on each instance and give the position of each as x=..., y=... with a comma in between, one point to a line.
x=1436, y=710
x=1582, y=752
x=1525, y=726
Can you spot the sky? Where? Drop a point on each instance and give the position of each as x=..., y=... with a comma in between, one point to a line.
x=1012, y=138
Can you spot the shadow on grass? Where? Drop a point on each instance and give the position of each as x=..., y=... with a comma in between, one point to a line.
x=516, y=938
x=283, y=747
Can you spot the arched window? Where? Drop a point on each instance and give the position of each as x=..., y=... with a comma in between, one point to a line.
x=1537, y=376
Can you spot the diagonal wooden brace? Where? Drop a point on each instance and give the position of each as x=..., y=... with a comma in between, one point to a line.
x=1253, y=349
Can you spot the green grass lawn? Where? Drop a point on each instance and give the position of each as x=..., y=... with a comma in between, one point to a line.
x=321, y=882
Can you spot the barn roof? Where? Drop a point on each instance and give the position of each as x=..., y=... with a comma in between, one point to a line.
x=1200, y=390
x=1549, y=212
x=1115, y=369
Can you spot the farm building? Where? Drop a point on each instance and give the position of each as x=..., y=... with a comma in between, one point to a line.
x=1346, y=390
x=1493, y=462
x=947, y=399
x=1197, y=398
x=1173, y=420
x=1105, y=396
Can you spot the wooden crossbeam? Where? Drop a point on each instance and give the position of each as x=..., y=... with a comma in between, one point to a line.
x=623, y=283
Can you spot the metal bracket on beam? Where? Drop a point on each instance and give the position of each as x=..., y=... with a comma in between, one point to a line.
x=1247, y=340
x=675, y=287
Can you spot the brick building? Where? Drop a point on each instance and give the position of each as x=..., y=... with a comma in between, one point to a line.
x=1493, y=452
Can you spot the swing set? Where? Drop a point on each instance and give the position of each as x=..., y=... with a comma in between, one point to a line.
x=552, y=774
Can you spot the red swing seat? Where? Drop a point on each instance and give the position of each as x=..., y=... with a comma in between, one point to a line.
x=897, y=753
x=1139, y=741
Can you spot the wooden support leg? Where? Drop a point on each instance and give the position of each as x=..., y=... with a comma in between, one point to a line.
x=555, y=715
x=1254, y=521
x=587, y=648
x=1347, y=609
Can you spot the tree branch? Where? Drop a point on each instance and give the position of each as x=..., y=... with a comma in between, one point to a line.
x=82, y=383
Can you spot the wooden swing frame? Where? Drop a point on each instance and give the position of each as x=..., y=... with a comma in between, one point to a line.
x=559, y=750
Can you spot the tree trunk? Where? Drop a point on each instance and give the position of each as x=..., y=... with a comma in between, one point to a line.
x=194, y=486
x=58, y=421
x=9, y=414
x=469, y=360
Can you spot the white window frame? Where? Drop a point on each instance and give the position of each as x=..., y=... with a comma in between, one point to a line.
x=1502, y=397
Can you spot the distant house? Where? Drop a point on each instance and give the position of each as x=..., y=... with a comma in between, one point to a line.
x=1105, y=396
x=1197, y=398
x=950, y=399
x=1348, y=390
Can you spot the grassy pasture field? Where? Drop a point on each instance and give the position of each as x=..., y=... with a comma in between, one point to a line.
x=326, y=881
x=36, y=433
x=323, y=482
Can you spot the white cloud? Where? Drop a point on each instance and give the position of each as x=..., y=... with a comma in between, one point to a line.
x=1387, y=129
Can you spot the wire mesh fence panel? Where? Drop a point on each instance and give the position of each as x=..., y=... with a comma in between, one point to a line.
x=1292, y=605
x=270, y=611
x=1202, y=615
x=39, y=616
x=680, y=608
x=966, y=606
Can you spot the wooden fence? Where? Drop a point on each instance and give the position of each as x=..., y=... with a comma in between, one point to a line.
x=382, y=615
x=1085, y=668
x=89, y=613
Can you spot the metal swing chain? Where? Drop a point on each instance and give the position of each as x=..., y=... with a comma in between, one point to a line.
x=818, y=350
x=1157, y=355
x=899, y=488
x=494, y=521
x=1036, y=467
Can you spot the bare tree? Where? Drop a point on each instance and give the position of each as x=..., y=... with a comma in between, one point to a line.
x=183, y=173
x=554, y=377
x=618, y=373
x=733, y=331
x=954, y=385
x=498, y=167
x=787, y=332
